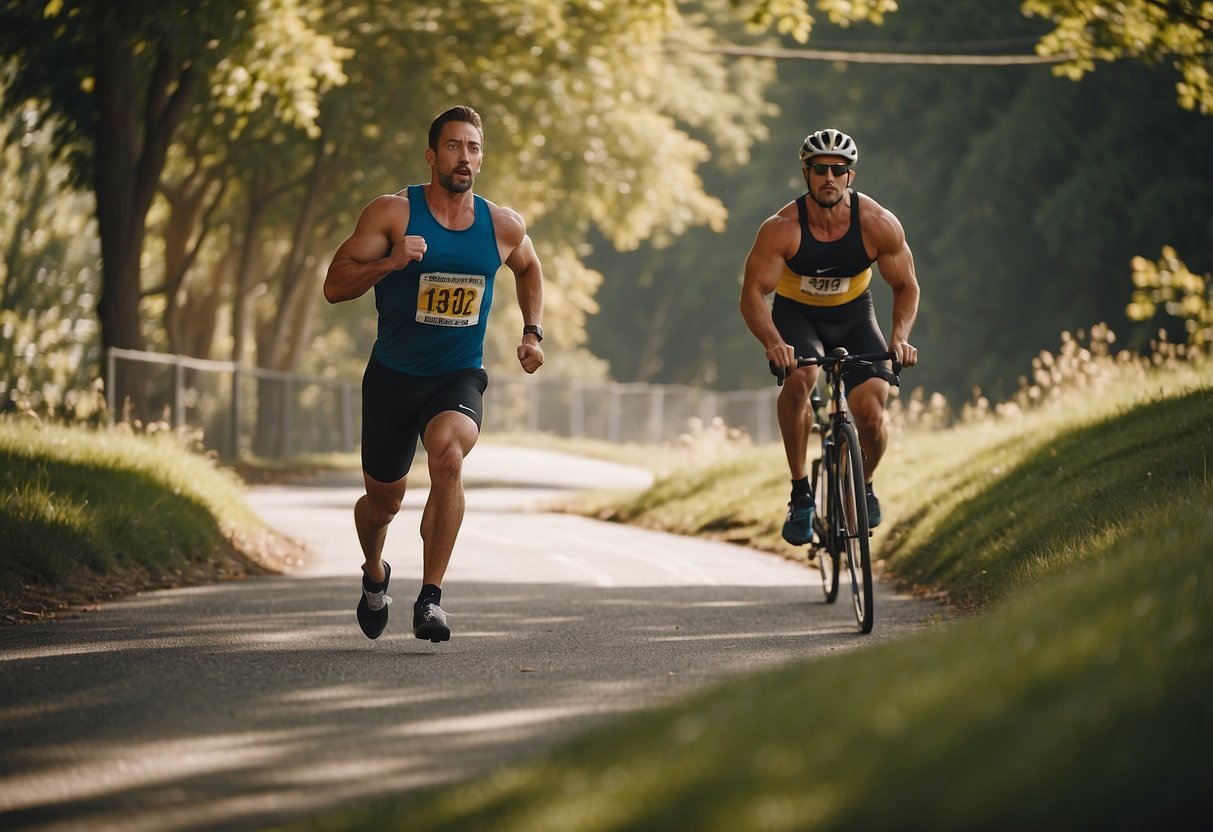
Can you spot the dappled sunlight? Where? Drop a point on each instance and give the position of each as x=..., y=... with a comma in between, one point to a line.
x=744, y=636
x=487, y=726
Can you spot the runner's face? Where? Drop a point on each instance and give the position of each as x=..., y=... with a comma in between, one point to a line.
x=457, y=159
x=826, y=189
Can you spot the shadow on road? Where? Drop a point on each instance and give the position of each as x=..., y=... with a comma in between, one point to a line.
x=241, y=705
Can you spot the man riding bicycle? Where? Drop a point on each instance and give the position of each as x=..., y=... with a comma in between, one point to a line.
x=816, y=255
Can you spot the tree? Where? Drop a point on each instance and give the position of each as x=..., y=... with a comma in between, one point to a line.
x=1151, y=31
x=120, y=78
x=49, y=273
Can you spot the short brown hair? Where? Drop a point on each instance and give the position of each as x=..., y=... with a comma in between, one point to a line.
x=459, y=113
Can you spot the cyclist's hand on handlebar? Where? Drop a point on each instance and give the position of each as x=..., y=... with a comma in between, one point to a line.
x=904, y=353
x=782, y=355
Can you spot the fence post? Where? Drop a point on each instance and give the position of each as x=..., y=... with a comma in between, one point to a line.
x=656, y=413
x=178, y=394
x=614, y=414
x=576, y=410
x=111, y=394
x=287, y=415
x=233, y=447
x=532, y=405
x=707, y=407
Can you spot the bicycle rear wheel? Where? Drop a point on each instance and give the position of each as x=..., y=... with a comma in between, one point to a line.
x=852, y=525
x=827, y=554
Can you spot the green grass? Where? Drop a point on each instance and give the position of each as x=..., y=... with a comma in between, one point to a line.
x=1046, y=497
x=74, y=499
x=1078, y=699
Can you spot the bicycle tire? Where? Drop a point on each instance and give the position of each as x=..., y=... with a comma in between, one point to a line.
x=853, y=523
x=827, y=555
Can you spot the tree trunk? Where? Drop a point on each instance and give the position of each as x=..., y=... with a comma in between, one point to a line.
x=299, y=291
x=127, y=169
x=282, y=345
x=192, y=202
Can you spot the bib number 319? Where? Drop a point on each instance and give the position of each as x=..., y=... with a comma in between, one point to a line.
x=824, y=285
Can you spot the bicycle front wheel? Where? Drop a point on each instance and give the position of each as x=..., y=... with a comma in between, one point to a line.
x=852, y=521
x=827, y=553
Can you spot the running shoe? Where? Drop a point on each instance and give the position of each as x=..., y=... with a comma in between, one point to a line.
x=429, y=622
x=372, y=606
x=798, y=527
x=873, y=509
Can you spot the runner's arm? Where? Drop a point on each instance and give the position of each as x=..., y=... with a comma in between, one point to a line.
x=377, y=248
x=523, y=261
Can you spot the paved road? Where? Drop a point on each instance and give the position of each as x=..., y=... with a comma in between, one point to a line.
x=240, y=705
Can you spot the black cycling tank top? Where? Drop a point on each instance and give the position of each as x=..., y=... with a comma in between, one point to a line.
x=827, y=274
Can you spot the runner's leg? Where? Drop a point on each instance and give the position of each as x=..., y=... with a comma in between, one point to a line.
x=372, y=513
x=448, y=438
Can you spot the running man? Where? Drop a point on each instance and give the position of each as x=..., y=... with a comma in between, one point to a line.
x=816, y=255
x=430, y=252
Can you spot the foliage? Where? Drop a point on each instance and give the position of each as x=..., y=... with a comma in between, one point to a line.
x=250, y=49
x=795, y=17
x=1152, y=31
x=1168, y=283
x=49, y=273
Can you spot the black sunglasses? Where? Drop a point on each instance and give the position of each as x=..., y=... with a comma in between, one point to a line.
x=838, y=170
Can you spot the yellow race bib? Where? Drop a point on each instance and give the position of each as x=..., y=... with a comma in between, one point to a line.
x=445, y=299
x=824, y=289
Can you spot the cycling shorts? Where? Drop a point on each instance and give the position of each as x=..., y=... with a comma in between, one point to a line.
x=816, y=330
x=397, y=407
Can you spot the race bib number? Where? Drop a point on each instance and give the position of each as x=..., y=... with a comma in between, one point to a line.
x=824, y=286
x=445, y=299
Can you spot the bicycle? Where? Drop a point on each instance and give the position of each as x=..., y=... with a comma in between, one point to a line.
x=840, y=522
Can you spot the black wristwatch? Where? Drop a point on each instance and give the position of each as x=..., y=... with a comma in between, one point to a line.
x=533, y=329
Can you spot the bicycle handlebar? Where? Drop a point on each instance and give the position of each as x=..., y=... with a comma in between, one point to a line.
x=845, y=359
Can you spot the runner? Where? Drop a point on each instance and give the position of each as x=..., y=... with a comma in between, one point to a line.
x=430, y=252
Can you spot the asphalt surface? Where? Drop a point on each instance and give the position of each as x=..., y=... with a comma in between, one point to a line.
x=242, y=705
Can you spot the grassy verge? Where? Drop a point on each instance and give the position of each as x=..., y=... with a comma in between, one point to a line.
x=88, y=514
x=1079, y=699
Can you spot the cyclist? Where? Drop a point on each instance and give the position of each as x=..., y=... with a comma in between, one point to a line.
x=816, y=256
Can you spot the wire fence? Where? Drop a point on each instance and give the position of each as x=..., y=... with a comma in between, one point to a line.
x=271, y=414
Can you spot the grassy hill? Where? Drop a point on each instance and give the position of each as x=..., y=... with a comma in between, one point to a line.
x=89, y=514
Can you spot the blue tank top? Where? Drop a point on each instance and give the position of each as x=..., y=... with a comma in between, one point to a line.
x=433, y=312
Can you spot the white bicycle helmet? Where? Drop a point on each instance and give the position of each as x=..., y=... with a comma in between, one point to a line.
x=828, y=142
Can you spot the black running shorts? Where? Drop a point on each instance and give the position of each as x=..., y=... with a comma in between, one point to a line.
x=815, y=330
x=396, y=407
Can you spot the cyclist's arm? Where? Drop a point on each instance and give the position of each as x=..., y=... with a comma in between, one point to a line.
x=896, y=264
x=763, y=267
x=377, y=247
